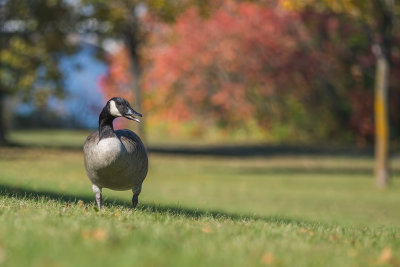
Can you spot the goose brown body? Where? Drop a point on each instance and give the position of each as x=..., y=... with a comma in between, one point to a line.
x=118, y=162
x=115, y=159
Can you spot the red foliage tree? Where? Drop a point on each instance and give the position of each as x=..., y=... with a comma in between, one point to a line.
x=308, y=73
x=232, y=65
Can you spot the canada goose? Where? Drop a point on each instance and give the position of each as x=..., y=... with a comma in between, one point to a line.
x=115, y=159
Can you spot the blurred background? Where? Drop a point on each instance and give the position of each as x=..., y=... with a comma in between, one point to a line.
x=264, y=76
x=298, y=72
x=265, y=121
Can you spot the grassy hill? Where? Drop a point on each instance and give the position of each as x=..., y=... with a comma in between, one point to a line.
x=277, y=210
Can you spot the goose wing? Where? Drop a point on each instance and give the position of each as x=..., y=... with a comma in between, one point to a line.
x=136, y=149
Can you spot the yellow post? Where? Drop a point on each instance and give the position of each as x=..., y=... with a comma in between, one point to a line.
x=381, y=122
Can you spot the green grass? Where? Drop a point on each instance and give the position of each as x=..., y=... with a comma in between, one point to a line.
x=203, y=211
x=49, y=138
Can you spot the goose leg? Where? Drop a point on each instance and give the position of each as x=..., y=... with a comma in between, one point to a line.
x=97, y=191
x=135, y=199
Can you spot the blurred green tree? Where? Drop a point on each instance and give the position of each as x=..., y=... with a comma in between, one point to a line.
x=33, y=36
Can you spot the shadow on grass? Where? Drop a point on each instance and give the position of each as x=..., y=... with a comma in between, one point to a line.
x=295, y=171
x=260, y=150
x=250, y=150
x=26, y=193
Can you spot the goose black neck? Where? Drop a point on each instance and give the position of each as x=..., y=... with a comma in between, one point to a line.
x=106, y=128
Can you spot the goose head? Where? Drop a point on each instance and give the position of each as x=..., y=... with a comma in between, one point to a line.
x=119, y=107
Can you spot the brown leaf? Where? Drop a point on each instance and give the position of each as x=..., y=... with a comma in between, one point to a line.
x=333, y=237
x=268, y=258
x=116, y=213
x=206, y=230
x=96, y=234
x=386, y=256
x=100, y=234
x=80, y=203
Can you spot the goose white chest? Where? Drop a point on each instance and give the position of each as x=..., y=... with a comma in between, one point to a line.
x=106, y=152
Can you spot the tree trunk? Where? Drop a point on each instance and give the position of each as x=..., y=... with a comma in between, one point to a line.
x=133, y=40
x=381, y=120
x=382, y=51
x=136, y=75
x=2, y=124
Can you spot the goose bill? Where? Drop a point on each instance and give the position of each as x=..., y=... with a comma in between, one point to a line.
x=131, y=117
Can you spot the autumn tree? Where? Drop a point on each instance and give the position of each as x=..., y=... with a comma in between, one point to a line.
x=123, y=20
x=377, y=18
x=242, y=63
x=289, y=72
x=235, y=66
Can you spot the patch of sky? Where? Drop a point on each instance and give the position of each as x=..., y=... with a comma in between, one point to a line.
x=83, y=99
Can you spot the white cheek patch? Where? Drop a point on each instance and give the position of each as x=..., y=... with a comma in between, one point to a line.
x=113, y=109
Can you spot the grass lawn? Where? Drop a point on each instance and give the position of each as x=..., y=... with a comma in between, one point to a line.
x=196, y=210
